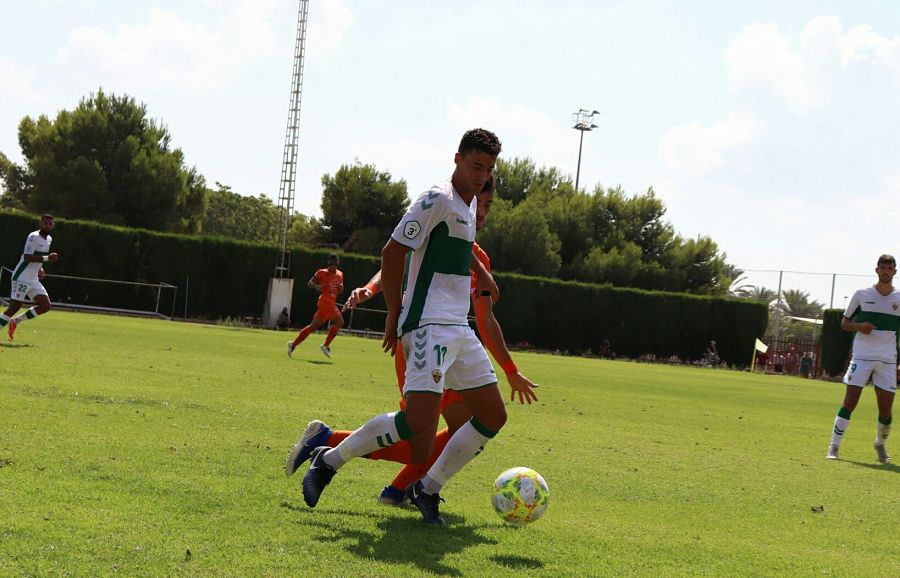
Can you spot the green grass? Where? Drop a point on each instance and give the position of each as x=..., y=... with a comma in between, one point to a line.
x=127, y=443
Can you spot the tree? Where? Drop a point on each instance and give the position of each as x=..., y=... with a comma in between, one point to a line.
x=361, y=206
x=239, y=216
x=107, y=161
x=306, y=230
x=519, y=241
x=13, y=180
x=755, y=293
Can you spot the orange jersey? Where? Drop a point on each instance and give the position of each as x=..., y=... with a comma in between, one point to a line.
x=331, y=283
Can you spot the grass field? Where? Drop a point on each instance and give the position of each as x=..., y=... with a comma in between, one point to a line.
x=137, y=447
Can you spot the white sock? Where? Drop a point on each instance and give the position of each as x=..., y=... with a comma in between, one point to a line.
x=464, y=445
x=840, y=426
x=379, y=432
x=4, y=319
x=882, y=433
x=28, y=314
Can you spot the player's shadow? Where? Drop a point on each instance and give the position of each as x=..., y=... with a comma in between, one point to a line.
x=403, y=539
x=15, y=345
x=888, y=467
x=319, y=362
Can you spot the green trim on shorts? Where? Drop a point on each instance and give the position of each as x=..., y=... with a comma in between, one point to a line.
x=403, y=429
x=480, y=428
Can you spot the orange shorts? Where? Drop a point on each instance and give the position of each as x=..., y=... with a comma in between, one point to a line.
x=327, y=310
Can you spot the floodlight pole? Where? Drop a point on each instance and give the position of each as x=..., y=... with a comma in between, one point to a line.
x=582, y=121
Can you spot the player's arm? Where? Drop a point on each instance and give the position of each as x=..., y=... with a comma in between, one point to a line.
x=393, y=259
x=31, y=258
x=313, y=283
x=363, y=294
x=484, y=281
x=492, y=336
x=847, y=322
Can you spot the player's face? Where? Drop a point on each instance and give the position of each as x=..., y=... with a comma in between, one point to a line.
x=886, y=272
x=485, y=201
x=472, y=170
x=331, y=266
x=46, y=225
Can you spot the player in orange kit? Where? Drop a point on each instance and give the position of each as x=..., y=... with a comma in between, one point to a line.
x=452, y=406
x=329, y=282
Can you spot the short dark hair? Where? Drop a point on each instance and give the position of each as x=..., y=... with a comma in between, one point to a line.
x=47, y=216
x=333, y=258
x=481, y=140
x=887, y=259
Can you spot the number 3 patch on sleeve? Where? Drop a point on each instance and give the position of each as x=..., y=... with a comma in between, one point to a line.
x=411, y=229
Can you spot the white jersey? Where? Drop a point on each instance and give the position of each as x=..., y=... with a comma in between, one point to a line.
x=884, y=312
x=439, y=227
x=35, y=244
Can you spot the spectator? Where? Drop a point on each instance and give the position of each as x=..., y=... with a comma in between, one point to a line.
x=806, y=363
x=284, y=320
x=712, y=354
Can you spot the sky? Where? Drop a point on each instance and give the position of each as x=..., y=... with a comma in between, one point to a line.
x=772, y=127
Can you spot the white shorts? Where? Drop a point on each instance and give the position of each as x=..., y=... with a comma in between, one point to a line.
x=26, y=290
x=882, y=375
x=439, y=356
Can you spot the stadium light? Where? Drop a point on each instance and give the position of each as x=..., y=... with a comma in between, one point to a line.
x=582, y=121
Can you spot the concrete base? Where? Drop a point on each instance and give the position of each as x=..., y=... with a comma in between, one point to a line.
x=281, y=292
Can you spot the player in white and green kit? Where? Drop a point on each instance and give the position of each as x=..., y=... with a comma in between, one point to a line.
x=26, y=277
x=429, y=317
x=874, y=314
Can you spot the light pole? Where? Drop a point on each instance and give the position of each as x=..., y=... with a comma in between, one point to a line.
x=582, y=121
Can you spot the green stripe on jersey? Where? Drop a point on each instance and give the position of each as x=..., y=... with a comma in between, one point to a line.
x=881, y=321
x=444, y=254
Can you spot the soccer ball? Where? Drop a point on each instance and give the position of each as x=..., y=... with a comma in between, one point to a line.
x=520, y=496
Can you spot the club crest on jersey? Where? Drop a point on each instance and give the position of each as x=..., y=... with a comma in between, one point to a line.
x=436, y=375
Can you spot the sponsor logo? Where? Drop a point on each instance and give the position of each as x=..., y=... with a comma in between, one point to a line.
x=462, y=222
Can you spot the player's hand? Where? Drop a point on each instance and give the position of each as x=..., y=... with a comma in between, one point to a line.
x=520, y=384
x=486, y=283
x=53, y=257
x=866, y=328
x=41, y=274
x=357, y=296
x=389, y=343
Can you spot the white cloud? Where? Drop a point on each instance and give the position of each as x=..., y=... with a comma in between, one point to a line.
x=173, y=53
x=696, y=149
x=806, y=74
x=326, y=38
x=524, y=131
x=17, y=82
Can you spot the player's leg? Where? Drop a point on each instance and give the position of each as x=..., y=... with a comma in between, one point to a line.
x=379, y=432
x=857, y=376
x=316, y=322
x=37, y=292
x=11, y=310
x=337, y=321
x=455, y=415
x=885, y=391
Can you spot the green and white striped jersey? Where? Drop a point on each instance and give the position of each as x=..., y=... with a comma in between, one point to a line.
x=883, y=311
x=439, y=227
x=34, y=245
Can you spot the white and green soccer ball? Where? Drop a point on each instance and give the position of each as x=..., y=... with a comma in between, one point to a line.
x=520, y=496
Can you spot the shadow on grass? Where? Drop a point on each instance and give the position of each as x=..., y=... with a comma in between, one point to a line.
x=15, y=345
x=889, y=467
x=319, y=362
x=401, y=537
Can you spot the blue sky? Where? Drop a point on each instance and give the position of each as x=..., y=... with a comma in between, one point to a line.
x=772, y=127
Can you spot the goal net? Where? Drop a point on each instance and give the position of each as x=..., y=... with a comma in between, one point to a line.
x=103, y=295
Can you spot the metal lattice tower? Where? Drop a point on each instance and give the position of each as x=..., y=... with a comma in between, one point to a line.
x=289, y=161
